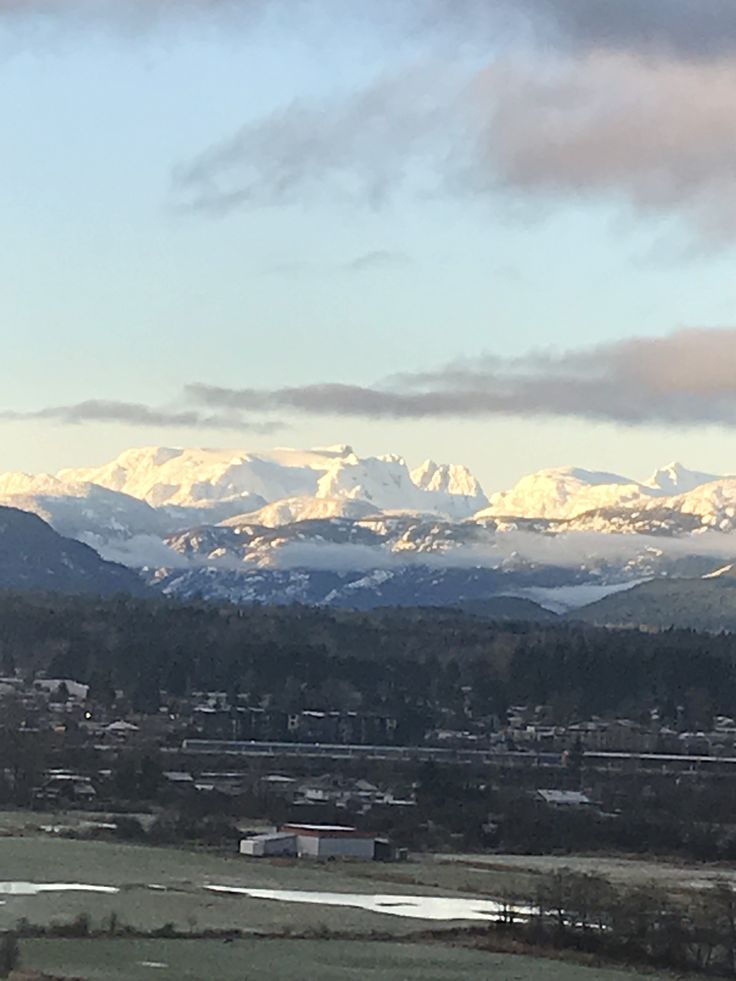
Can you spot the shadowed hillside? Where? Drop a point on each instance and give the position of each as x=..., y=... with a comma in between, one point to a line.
x=34, y=557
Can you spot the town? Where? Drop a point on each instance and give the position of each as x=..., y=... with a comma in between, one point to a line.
x=207, y=765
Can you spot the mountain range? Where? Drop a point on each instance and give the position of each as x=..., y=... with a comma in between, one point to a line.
x=328, y=526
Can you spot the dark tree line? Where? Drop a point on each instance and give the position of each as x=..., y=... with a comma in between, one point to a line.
x=433, y=664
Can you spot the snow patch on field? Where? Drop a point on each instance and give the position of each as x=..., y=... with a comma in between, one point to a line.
x=414, y=907
x=36, y=888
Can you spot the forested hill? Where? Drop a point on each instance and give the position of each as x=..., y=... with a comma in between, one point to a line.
x=34, y=556
x=420, y=662
x=699, y=604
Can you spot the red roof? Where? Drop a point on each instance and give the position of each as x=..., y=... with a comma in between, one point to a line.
x=324, y=831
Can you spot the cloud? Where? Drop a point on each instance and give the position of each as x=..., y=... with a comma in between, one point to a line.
x=685, y=378
x=690, y=28
x=134, y=16
x=376, y=260
x=359, y=146
x=373, y=261
x=654, y=135
x=633, y=557
x=622, y=100
x=137, y=414
x=693, y=28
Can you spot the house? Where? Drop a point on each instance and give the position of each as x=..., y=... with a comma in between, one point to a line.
x=65, y=786
x=178, y=778
x=121, y=729
x=339, y=791
x=565, y=798
x=71, y=689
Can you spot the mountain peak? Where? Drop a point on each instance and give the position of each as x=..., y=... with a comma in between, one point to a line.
x=675, y=478
x=449, y=478
x=229, y=482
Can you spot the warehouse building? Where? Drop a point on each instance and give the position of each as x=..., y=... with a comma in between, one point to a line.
x=322, y=841
x=263, y=846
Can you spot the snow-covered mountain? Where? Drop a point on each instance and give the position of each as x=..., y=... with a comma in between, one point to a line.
x=126, y=508
x=226, y=522
x=293, y=509
x=567, y=492
x=154, y=492
x=209, y=479
x=564, y=493
x=675, y=479
x=455, y=482
x=78, y=509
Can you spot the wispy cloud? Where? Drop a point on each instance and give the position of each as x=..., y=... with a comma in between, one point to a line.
x=134, y=16
x=138, y=414
x=624, y=101
x=686, y=378
x=377, y=259
x=351, y=147
x=653, y=135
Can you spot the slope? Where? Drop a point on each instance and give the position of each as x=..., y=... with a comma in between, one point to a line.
x=699, y=604
x=35, y=557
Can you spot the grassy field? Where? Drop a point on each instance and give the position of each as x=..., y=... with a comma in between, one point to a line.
x=295, y=960
x=181, y=876
x=485, y=871
x=180, y=898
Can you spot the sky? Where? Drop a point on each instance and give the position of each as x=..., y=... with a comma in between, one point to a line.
x=485, y=232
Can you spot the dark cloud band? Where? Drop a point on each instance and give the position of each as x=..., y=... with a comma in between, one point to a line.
x=138, y=414
x=686, y=378
x=699, y=28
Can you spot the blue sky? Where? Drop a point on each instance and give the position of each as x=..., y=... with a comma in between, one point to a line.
x=114, y=289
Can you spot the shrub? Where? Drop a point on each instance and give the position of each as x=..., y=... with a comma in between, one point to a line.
x=9, y=953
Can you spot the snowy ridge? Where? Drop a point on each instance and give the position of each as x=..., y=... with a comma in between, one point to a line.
x=293, y=509
x=202, y=478
x=675, y=479
x=565, y=493
x=330, y=509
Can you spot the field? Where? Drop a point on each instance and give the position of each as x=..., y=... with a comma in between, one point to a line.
x=179, y=896
x=295, y=960
x=150, y=888
x=486, y=870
